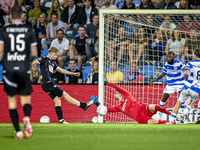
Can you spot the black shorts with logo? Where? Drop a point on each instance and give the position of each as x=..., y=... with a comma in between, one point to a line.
x=52, y=89
x=17, y=83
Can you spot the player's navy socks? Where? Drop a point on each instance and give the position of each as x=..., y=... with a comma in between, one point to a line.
x=27, y=110
x=59, y=112
x=15, y=118
x=83, y=105
x=162, y=109
x=163, y=121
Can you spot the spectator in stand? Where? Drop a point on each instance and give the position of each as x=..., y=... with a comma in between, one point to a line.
x=92, y=51
x=133, y=76
x=140, y=45
x=108, y=4
x=21, y=3
x=150, y=21
x=131, y=28
x=86, y=13
x=28, y=4
x=168, y=5
x=70, y=17
x=128, y=5
x=114, y=76
x=112, y=28
x=6, y=5
x=94, y=74
x=92, y=28
x=146, y=4
x=73, y=79
x=167, y=24
x=99, y=3
x=188, y=25
x=51, y=29
x=119, y=3
x=40, y=31
x=182, y=4
x=62, y=44
x=80, y=3
x=24, y=19
x=194, y=4
x=58, y=77
x=33, y=13
x=191, y=44
x=35, y=74
x=157, y=3
x=55, y=7
x=157, y=46
x=176, y=44
x=78, y=46
x=120, y=42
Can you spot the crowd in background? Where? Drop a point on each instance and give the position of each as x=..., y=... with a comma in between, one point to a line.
x=73, y=27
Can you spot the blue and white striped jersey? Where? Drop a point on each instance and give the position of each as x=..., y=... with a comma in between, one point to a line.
x=174, y=73
x=194, y=75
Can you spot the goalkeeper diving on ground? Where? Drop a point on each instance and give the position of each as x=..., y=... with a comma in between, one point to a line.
x=142, y=113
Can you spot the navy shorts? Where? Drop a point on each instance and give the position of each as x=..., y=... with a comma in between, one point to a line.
x=52, y=89
x=17, y=83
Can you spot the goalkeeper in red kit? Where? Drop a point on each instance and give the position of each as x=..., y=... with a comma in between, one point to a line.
x=135, y=109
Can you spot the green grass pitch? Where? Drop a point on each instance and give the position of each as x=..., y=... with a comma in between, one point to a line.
x=107, y=136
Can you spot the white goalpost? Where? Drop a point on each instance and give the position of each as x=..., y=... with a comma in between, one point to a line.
x=140, y=37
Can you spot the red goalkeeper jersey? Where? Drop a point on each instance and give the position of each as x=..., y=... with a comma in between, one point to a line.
x=128, y=105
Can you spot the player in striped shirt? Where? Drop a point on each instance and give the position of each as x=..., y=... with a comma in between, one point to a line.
x=175, y=81
x=192, y=87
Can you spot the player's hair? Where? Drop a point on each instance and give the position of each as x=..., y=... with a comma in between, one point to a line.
x=53, y=49
x=16, y=12
x=197, y=52
x=171, y=53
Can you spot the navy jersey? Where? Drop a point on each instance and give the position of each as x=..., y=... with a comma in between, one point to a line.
x=47, y=67
x=17, y=39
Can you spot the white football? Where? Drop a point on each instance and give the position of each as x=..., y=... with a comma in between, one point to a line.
x=44, y=119
x=102, y=110
x=95, y=119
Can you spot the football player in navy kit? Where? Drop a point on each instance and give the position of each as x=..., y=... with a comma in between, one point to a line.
x=47, y=67
x=16, y=42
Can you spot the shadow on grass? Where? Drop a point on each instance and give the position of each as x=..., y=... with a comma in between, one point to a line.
x=7, y=137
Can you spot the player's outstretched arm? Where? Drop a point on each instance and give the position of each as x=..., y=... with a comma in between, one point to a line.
x=159, y=77
x=63, y=71
x=117, y=87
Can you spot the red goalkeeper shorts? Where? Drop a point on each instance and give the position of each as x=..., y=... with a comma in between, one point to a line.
x=144, y=114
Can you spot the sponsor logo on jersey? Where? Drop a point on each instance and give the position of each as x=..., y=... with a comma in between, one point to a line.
x=51, y=69
x=16, y=57
x=124, y=105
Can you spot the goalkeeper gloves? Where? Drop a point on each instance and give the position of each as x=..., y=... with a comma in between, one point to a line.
x=95, y=100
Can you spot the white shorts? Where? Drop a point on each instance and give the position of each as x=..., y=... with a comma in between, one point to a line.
x=189, y=93
x=171, y=89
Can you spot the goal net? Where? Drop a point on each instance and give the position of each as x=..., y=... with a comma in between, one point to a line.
x=133, y=46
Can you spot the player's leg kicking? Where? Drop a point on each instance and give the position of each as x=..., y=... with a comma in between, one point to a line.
x=183, y=97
